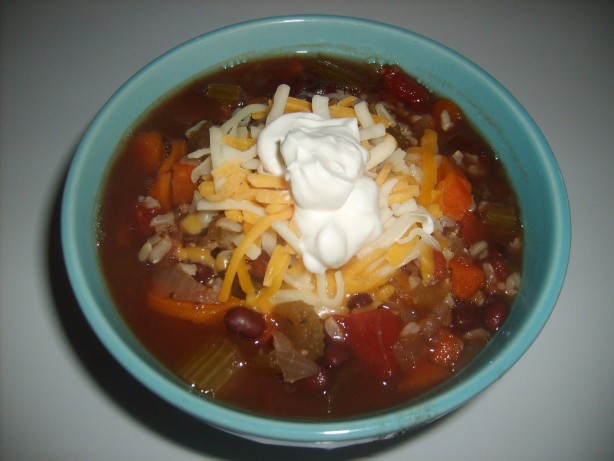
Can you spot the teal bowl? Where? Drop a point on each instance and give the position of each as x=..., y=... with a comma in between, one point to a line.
x=504, y=123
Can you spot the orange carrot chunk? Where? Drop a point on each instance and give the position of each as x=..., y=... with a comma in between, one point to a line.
x=179, y=148
x=161, y=191
x=182, y=187
x=187, y=310
x=147, y=149
x=455, y=199
x=467, y=278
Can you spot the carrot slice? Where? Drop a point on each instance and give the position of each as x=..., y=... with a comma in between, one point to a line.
x=179, y=148
x=455, y=199
x=188, y=310
x=147, y=149
x=182, y=187
x=161, y=190
x=467, y=278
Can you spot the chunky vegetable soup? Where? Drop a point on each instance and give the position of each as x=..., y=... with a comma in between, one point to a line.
x=311, y=238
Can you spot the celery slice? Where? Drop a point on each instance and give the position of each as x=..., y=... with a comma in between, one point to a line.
x=212, y=366
x=499, y=215
x=224, y=91
x=336, y=72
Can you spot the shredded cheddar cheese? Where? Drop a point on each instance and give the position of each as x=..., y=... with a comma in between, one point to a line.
x=262, y=205
x=239, y=252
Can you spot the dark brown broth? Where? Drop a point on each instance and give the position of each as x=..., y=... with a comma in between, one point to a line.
x=172, y=341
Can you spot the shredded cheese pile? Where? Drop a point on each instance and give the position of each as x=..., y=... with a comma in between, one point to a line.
x=258, y=207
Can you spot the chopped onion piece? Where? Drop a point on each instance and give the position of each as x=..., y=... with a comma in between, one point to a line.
x=174, y=282
x=293, y=364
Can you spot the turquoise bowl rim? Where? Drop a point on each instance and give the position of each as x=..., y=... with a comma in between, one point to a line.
x=500, y=117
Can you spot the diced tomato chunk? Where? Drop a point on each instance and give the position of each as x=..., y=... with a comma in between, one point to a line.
x=471, y=229
x=440, y=269
x=371, y=336
x=446, y=348
x=405, y=88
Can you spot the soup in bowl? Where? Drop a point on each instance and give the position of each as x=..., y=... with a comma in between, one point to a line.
x=327, y=241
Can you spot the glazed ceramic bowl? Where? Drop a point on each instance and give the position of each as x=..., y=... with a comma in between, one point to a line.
x=496, y=114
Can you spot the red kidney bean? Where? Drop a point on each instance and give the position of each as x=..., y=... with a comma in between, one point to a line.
x=245, y=322
x=335, y=355
x=500, y=268
x=359, y=300
x=495, y=314
x=465, y=317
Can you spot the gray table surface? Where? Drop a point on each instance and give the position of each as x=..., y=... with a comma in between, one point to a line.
x=62, y=397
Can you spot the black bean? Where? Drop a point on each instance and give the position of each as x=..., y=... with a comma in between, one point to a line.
x=245, y=322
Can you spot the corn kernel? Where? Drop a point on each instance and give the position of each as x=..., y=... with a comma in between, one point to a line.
x=192, y=224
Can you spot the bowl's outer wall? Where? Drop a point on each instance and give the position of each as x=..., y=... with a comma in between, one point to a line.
x=500, y=118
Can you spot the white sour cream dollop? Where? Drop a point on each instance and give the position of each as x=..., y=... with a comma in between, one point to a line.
x=336, y=203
